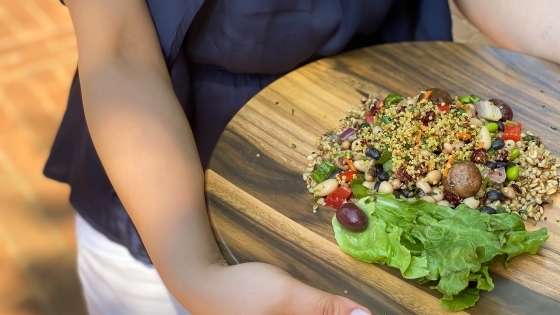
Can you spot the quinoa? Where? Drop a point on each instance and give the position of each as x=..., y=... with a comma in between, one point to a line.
x=423, y=136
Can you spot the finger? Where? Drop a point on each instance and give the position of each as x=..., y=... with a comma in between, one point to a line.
x=306, y=300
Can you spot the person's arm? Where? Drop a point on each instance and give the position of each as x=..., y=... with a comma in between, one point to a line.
x=529, y=27
x=146, y=146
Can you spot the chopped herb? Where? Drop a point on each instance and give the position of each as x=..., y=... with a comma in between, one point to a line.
x=293, y=145
x=411, y=109
x=542, y=91
x=386, y=119
x=542, y=106
x=458, y=82
x=527, y=138
x=293, y=112
x=553, y=128
x=461, y=111
x=438, y=140
x=407, y=158
x=557, y=221
x=491, y=152
x=407, y=146
x=431, y=193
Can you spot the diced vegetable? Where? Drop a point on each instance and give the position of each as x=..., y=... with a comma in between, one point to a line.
x=487, y=110
x=469, y=99
x=323, y=171
x=512, y=131
x=348, y=176
x=337, y=198
x=443, y=108
x=492, y=127
x=392, y=99
x=346, y=134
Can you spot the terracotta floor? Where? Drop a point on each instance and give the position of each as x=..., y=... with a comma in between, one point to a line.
x=37, y=244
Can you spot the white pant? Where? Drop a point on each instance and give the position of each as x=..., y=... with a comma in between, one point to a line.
x=114, y=283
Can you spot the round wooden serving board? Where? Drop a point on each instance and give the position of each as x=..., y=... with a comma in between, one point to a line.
x=260, y=209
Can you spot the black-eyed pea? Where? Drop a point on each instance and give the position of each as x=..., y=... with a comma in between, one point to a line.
x=325, y=188
x=341, y=164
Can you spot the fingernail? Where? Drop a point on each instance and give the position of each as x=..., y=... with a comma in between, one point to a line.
x=359, y=312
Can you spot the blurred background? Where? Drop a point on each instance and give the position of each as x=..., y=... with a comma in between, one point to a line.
x=37, y=243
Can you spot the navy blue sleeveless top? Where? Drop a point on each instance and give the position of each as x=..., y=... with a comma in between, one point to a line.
x=220, y=54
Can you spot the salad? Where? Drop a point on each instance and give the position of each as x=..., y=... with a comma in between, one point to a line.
x=434, y=186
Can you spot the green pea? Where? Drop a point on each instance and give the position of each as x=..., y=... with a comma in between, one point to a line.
x=492, y=127
x=512, y=172
x=514, y=154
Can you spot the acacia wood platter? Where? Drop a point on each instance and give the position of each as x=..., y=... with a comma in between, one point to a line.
x=260, y=209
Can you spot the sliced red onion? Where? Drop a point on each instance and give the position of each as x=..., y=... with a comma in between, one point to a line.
x=346, y=134
x=497, y=175
x=487, y=110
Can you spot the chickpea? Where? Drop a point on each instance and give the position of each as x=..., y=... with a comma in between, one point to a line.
x=508, y=192
x=346, y=144
x=433, y=177
x=472, y=202
x=447, y=147
x=437, y=194
x=396, y=183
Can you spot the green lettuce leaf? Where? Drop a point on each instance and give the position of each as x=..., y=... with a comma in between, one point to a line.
x=436, y=243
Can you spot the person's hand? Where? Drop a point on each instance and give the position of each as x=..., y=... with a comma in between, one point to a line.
x=257, y=288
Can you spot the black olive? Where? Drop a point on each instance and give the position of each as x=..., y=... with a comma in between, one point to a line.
x=420, y=193
x=379, y=168
x=383, y=176
x=373, y=153
x=397, y=194
x=364, y=125
x=437, y=152
x=351, y=217
x=407, y=193
x=333, y=174
x=376, y=186
x=491, y=165
x=488, y=210
x=504, y=164
x=494, y=195
x=501, y=126
x=498, y=143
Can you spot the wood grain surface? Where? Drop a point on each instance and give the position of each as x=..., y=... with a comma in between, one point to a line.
x=260, y=209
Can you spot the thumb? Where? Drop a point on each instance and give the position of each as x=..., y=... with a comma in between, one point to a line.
x=306, y=300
